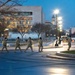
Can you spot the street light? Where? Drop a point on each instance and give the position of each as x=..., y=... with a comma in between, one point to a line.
x=56, y=12
x=58, y=22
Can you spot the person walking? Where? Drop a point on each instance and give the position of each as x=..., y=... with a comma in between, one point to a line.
x=69, y=43
x=40, y=45
x=29, y=45
x=17, y=44
x=4, y=43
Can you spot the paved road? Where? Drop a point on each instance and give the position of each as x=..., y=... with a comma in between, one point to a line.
x=35, y=63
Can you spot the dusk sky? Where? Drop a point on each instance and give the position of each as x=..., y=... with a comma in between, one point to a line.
x=66, y=7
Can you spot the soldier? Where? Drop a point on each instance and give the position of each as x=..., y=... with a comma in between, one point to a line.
x=4, y=42
x=69, y=43
x=40, y=45
x=29, y=44
x=18, y=44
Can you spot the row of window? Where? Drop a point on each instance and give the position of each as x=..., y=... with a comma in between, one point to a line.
x=16, y=13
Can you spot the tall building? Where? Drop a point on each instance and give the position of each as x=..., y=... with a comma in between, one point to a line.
x=53, y=20
x=22, y=15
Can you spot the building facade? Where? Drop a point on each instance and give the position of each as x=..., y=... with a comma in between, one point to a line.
x=22, y=15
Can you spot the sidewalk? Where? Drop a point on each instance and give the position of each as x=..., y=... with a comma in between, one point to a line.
x=64, y=56
x=61, y=57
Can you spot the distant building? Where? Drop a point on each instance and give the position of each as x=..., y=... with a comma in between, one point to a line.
x=22, y=15
x=50, y=32
x=73, y=30
x=53, y=20
x=67, y=31
x=48, y=23
x=51, y=24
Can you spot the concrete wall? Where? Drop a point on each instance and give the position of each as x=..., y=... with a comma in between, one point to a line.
x=37, y=16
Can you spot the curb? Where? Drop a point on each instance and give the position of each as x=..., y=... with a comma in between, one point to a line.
x=66, y=55
x=60, y=57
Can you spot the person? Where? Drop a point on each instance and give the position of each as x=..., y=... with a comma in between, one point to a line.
x=29, y=45
x=56, y=44
x=17, y=44
x=40, y=45
x=4, y=43
x=69, y=43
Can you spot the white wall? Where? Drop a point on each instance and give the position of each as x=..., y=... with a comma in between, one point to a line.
x=26, y=36
x=37, y=16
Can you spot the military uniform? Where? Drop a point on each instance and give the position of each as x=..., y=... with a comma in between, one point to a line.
x=40, y=45
x=69, y=44
x=17, y=44
x=29, y=44
x=4, y=43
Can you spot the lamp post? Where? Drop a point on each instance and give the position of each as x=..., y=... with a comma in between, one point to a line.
x=58, y=23
x=56, y=12
x=70, y=33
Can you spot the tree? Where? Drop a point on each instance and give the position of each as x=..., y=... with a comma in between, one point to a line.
x=5, y=6
x=21, y=30
x=10, y=3
x=2, y=28
x=47, y=29
x=38, y=28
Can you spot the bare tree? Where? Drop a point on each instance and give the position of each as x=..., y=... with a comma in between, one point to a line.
x=23, y=30
x=2, y=28
x=38, y=28
x=7, y=4
x=5, y=7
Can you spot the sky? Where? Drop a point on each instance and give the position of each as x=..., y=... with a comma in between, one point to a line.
x=66, y=7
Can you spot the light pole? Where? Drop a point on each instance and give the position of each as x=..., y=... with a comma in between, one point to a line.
x=58, y=23
x=56, y=12
x=70, y=33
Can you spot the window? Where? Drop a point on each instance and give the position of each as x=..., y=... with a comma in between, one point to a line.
x=25, y=13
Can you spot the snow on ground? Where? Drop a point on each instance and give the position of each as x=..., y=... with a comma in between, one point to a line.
x=26, y=35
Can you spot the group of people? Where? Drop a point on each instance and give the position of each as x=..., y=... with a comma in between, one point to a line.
x=29, y=44
x=68, y=42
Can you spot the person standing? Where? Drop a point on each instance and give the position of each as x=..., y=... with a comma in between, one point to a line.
x=69, y=43
x=4, y=43
x=17, y=44
x=29, y=45
x=40, y=45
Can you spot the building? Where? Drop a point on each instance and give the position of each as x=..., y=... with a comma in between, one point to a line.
x=22, y=15
x=73, y=30
x=53, y=20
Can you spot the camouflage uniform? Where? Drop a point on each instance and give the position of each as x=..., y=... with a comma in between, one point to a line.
x=17, y=44
x=29, y=44
x=4, y=42
x=40, y=44
x=69, y=44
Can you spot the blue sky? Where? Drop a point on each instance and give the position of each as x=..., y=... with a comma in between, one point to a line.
x=66, y=7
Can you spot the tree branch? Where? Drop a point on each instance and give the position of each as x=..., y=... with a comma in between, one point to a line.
x=5, y=3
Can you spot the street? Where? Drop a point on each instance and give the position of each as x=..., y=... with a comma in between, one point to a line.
x=44, y=33
x=35, y=63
